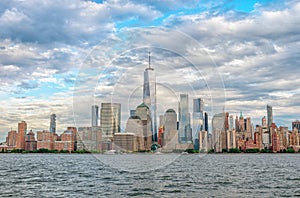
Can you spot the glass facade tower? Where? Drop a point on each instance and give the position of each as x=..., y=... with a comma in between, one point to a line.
x=95, y=115
x=110, y=119
x=52, y=123
x=149, y=97
x=197, y=116
x=185, y=131
x=270, y=115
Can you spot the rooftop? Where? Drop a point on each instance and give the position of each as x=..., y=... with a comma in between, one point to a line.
x=170, y=111
x=142, y=105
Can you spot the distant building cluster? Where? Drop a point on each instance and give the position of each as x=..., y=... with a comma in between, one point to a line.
x=44, y=140
x=172, y=133
x=242, y=136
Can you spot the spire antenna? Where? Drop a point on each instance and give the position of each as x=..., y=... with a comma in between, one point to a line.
x=149, y=58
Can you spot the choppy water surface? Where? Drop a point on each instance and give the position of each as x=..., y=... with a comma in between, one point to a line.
x=65, y=175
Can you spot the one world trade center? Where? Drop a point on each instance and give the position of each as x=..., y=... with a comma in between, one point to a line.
x=149, y=96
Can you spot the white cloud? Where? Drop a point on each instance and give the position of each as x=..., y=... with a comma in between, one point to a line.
x=13, y=17
x=249, y=60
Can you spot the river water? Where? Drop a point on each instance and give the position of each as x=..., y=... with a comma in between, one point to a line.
x=149, y=175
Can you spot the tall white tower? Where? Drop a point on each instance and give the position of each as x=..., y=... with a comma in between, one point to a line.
x=149, y=96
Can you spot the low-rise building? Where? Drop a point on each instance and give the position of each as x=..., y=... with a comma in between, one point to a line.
x=125, y=142
x=30, y=142
x=89, y=138
x=45, y=140
x=66, y=141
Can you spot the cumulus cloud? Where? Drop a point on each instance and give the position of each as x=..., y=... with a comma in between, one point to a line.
x=255, y=54
x=243, y=60
x=67, y=21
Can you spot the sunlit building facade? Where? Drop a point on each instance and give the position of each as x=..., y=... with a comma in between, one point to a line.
x=95, y=115
x=110, y=119
x=198, y=119
x=217, y=129
x=185, y=130
x=22, y=128
x=149, y=97
x=269, y=115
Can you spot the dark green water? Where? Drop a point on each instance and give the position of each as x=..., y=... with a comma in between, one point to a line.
x=132, y=175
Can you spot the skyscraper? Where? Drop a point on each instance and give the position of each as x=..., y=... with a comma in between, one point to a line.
x=170, y=126
x=270, y=115
x=110, y=119
x=226, y=121
x=136, y=126
x=203, y=141
x=12, y=138
x=197, y=116
x=143, y=113
x=241, y=123
x=22, y=128
x=231, y=126
x=248, y=125
x=185, y=131
x=218, y=122
x=237, y=125
x=264, y=122
x=296, y=124
x=95, y=115
x=52, y=123
x=205, y=121
x=149, y=97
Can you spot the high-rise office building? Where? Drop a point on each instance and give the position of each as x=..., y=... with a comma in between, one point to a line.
x=22, y=128
x=237, y=125
x=218, y=122
x=203, y=141
x=231, y=125
x=231, y=142
x=205, y=121
x=296, y=124
x=270, y=115
x=143, y=113
x=198, y=105
x=248, y=125
x=110, y=119
x=226, y=121
x=95, y=115
x=170, y=125
x=149, y=97
x=197, y=116
x=12, y=138
x=264, y=122
x=241, y=123
x=185, y=131
x=135, y=126
x=52, y=123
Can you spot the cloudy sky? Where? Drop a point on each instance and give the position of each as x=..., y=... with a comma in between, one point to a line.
x=64, y=56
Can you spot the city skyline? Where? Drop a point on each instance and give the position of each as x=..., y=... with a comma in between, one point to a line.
x=175, y=134
x=248, y=58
